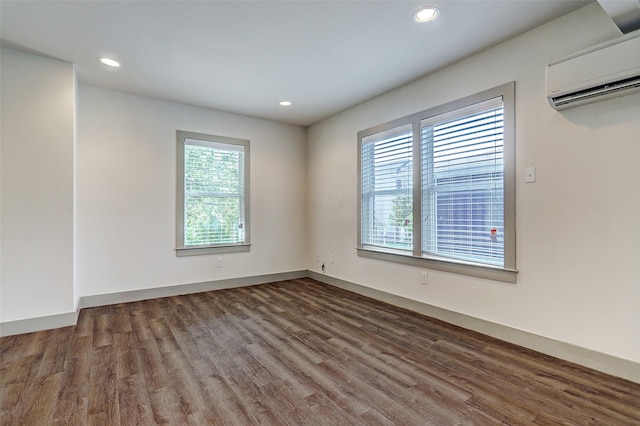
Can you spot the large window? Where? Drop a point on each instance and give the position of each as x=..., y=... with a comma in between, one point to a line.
x=213, y=188
x=456, y=176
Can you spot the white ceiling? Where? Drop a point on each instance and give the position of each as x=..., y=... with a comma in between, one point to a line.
x=246, y=56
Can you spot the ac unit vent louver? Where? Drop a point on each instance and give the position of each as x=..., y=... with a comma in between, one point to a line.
x=601, y=72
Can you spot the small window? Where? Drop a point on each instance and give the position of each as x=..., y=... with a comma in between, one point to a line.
x=456, y=176
x=213, y=194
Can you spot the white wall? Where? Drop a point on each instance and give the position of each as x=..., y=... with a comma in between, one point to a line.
x=578, y=226
x=36, y=277
x=127, y=194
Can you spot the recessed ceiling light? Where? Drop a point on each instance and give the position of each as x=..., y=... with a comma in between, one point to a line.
x=426, y=14
x=285, y=103
x=109, y=62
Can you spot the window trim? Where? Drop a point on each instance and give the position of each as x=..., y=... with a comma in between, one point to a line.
x=389, y=132
x=181, y=250
x=508, y=272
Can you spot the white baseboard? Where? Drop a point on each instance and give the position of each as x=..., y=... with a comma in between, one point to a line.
x=177, y=290
x=605, y=363
x=599, y=361
x=30, y=325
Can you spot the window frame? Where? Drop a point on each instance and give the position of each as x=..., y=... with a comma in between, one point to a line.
x=506, y=273
x=386, y=136
x=181, y=248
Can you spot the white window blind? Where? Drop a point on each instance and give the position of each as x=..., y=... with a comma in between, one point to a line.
x=214, y=204
x=463, y=184
x=437, y=187
x=387, y=189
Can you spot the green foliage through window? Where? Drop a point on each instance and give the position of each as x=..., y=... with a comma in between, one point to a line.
x=212, y=209
x=213, y=194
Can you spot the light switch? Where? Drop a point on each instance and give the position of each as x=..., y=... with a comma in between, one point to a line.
x=530, y=174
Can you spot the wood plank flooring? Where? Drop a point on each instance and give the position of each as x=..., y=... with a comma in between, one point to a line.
x=291, y=353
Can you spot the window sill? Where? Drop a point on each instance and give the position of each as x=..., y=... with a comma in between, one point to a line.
x=198, y=251
x=471, y=269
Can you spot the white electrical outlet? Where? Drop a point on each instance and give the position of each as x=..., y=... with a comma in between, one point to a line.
x=317, y=257
x=219, y=263
x=332, y=260
x=425, y=278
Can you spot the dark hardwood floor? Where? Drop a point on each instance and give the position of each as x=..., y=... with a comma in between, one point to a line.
x=295, y=352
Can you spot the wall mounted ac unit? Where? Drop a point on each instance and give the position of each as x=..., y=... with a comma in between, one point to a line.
x=604, y=71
